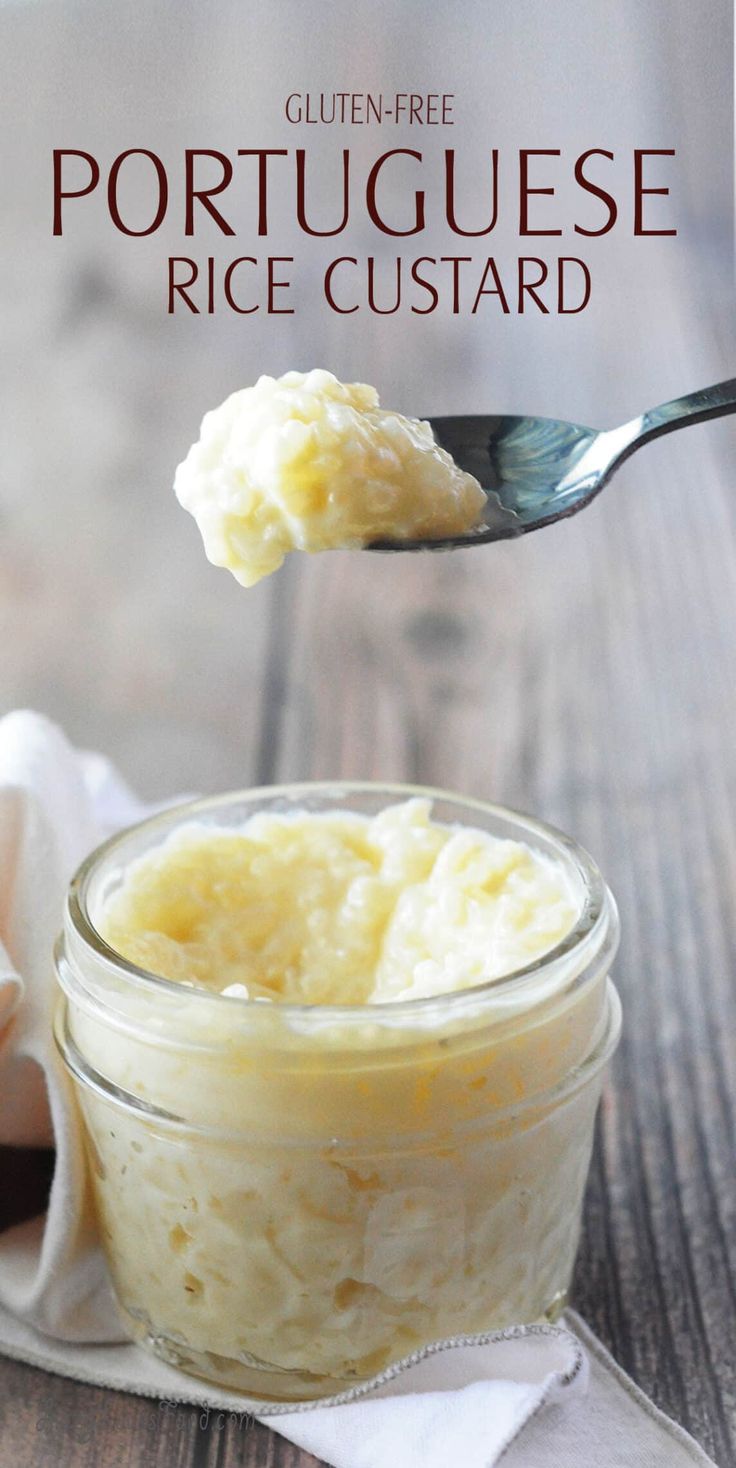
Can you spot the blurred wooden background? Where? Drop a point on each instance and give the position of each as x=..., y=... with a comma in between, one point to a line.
x=587, y=674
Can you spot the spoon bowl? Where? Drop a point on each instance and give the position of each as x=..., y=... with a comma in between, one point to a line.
x=538, y=470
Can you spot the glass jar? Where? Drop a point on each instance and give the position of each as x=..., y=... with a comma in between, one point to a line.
x=292, y=1197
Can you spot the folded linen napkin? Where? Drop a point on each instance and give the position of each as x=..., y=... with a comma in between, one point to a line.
x=519, y=1393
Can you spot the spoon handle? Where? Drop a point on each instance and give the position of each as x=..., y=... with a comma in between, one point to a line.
x=696, y=407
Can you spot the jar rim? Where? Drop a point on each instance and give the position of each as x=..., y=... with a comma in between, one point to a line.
x=558, y=1094
x=597, y=919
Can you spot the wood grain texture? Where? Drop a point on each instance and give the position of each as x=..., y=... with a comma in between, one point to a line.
x=46, y=1419
x=586, y=674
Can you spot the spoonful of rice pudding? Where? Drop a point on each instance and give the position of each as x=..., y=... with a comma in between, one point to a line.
x=304, y=462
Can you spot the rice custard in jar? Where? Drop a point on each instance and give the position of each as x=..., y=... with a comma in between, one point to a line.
x=338, y=1050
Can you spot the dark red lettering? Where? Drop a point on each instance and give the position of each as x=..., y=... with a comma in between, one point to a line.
x=382, y=310
x=59, y=193
x=530, y=286
x=456, y=261
x=182, y=285
x=592, y=188
x=372, y=206
x=450, y=195
x=263, y=155
x=228, y=281
x=341, y=260
x=301, y=194
x=561, y=307
x=495, y=290
x=425, y=284
x=204, y=196
x=278, y=285
x=639, y=190
x=525, y=190
x=112, y=191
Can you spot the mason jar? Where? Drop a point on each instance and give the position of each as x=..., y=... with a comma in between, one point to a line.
x=291, y=1197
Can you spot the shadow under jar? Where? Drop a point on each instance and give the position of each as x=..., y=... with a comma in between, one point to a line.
x=292, y=1197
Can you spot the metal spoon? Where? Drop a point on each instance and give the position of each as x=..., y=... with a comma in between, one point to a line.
x=538, y=470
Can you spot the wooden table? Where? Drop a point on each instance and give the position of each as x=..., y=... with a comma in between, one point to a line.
x=586, y=674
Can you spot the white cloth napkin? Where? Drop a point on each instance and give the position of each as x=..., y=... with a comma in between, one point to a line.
x=535, y=1395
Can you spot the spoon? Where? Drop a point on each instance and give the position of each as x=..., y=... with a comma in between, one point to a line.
x=538, y=470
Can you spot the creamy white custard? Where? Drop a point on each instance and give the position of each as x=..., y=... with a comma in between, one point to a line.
x=304, y=462
x=335, y=908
